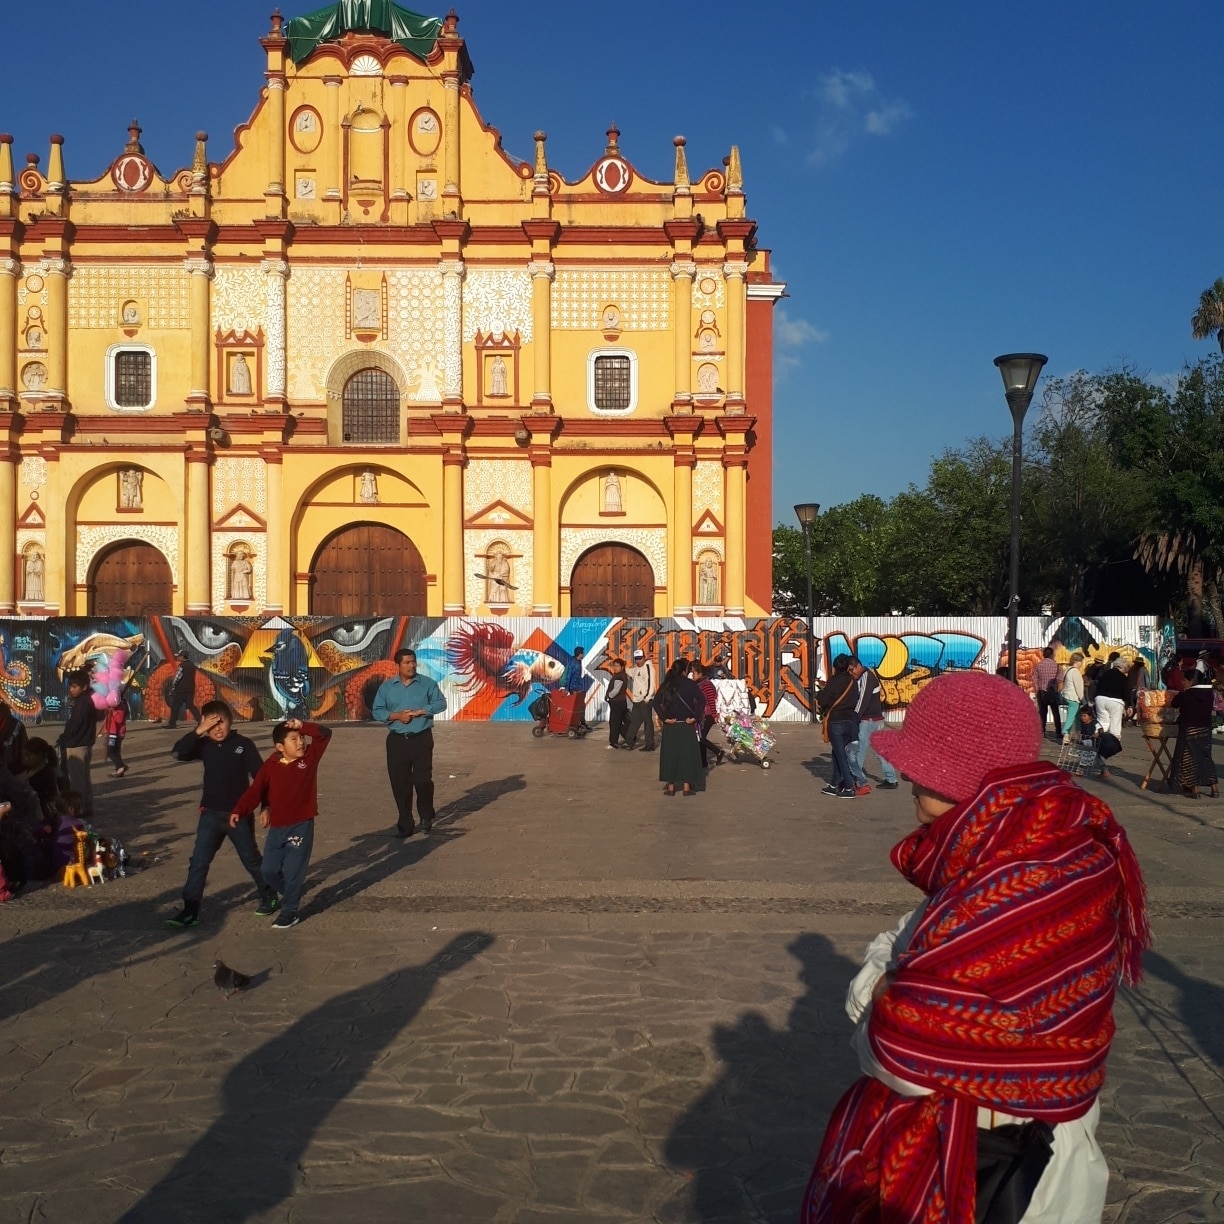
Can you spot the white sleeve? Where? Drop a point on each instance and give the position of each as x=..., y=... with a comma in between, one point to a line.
x=876, y=961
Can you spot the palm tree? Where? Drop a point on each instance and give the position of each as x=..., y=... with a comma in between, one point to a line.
x=1208, y=319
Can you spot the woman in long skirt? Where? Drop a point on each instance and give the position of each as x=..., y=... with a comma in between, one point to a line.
x=680, y=707
x=1192, y=763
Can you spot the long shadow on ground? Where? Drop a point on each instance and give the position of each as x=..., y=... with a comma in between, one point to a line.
x=752, y=1136
x=275, y=1099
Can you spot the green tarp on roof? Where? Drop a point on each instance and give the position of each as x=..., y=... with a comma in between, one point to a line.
x=416, y=34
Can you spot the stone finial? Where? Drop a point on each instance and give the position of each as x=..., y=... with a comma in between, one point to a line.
x=682, y=174
x=450, y=26
x=735, y=172
x=7, y=181
x=541, y=159
x=55, y=164
x=278, y=23
x=613, y=145
x=199, y=167
x=32, y=160
x=133, y=144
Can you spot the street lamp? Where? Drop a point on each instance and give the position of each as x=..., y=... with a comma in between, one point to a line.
x=1020, y=374
x=806, y=514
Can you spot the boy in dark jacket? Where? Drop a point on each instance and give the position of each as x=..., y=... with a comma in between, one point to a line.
x=230, y=762
x=80, y=731
x=287, y=787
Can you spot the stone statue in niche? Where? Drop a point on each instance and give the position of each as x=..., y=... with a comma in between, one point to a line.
x=709, y=341
x=34, y=376
x=369, y=488
x=131, y=489
x=306, y=121
x=131, y=314
x=240, y=376
x=707, y=379
x=34, y=338
x=612, y=500
x=428, y=391
x=497, y=377
x=497, y=576
x=241, y=574
x=707, y=582
x=367, y=310
x=33, y=588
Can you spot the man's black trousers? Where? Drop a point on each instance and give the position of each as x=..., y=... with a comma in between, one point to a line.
x=410, y=767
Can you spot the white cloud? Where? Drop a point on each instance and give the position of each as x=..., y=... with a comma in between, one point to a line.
x=780, y=137
x=849, y=105
x=790, y=337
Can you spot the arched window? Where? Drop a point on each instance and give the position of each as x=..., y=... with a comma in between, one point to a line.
x=371, y=407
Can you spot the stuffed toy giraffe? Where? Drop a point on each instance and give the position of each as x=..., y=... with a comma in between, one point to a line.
x=76, y=873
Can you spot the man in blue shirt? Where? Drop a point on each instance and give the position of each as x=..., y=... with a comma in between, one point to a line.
x=407, y=703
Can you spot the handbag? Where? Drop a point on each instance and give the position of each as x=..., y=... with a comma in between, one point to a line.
x=824, y=722
x=1010, y=1162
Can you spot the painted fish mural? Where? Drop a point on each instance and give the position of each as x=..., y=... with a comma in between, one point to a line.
x=485, y=659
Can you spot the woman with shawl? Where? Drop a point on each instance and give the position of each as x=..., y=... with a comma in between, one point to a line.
x=680, y=707
x=1192, y=763
x=985, y=1017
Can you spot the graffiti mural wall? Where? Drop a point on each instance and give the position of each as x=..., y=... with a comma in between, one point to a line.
x=491, y=670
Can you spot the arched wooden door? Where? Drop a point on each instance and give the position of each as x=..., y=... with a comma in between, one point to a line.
x=367, y=570
x=612, y=580
x=131, y=579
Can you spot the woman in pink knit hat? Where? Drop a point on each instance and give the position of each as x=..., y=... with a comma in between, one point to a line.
x=985, y=1017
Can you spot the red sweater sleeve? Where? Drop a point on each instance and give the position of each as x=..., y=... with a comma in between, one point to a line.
x=257, y=793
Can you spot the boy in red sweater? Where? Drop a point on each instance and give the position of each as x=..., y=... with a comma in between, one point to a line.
x=287, y=788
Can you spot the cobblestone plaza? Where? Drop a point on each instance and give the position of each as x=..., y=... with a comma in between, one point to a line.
x=577, y=1000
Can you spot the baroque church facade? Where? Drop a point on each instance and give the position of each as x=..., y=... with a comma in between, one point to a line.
x=370, y=363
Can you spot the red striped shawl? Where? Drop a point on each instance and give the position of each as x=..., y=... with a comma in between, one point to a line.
x=1003, y=998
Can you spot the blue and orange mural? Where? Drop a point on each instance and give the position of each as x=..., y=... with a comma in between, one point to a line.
x=491, y=670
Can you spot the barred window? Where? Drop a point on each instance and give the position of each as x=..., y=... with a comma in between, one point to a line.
x=371, y=407
x=133, y=379
x=613, y=383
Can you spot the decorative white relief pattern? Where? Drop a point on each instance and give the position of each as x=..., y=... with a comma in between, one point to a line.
x=651, y=542
x=476, y=543
x=239, y=301
x=33, y=472
x=714, y=300
x=222, y=542
x=452, y=326
x=713, y=545
x=91, y=541
x=274, y=332
x=497, y=301
x=240, y=481
x=642, y=294
x=488, y=480
x=316, y=324
x=98, y=290
x=708, y=489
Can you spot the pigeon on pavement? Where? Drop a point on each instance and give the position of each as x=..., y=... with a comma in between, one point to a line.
x=228, y=981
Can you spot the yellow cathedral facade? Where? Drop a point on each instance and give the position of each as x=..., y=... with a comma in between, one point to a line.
x=370, y=363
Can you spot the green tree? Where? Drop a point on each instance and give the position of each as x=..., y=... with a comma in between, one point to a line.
x=1208, y=319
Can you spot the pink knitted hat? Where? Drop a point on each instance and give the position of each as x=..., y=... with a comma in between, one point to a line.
x=960, y=727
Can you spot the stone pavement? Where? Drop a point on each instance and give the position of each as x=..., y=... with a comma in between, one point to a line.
x=577, y=1001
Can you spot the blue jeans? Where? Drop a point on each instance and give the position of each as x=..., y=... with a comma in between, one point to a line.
x=286, y=857
x=866, y=731
x=211, y=832
x=842, y=734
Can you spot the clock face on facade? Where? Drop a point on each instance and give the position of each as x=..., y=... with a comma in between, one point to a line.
x=132, y=173
x=613, y=175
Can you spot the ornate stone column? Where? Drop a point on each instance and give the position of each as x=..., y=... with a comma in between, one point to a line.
x=544, y=526
x=451, y=193
x=735, y=271
x=8, y=530
x=274, y=44
x=542, y=273
x=683, y=270
x=734, y=428
x=199, y=537
x=333, y=150
x=452, y=531
x=56, y=271
x=200, y=269
x=277, y=574
x=683, y=429
x=276, y=272
x=9, y=270
x=452, y=331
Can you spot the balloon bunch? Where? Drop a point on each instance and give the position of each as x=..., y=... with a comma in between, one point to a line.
x=109, y=678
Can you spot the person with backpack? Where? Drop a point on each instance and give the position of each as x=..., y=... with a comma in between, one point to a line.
x=1047, y=684
x=114, y=727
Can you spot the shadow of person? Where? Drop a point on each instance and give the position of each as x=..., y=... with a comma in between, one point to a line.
x=752, y=1136
x=277, y=1097
x=1200, y=1005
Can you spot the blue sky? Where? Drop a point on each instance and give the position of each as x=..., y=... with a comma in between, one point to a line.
x=940, y=182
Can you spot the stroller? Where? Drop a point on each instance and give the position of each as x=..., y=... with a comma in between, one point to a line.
x=747, y=735
x=558, y=713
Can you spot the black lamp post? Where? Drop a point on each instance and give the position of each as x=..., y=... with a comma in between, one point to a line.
x=1020, y=374
x=806, y=514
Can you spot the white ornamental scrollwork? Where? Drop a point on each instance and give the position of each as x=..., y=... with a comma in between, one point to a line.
x=651, y=542
x=735, y=267
x=91, y=541
x=277, y=272
x=683, y=267
x=452, y=326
